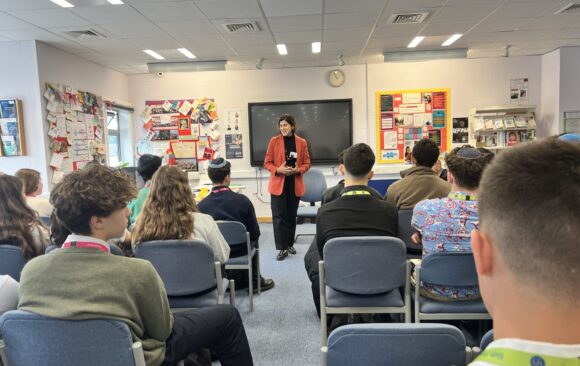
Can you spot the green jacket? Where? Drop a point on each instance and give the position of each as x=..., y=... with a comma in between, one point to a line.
x=84, y=283
x=137, y=204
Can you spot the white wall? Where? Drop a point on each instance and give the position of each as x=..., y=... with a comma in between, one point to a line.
x=19, y=80
x=551, y=72
x=569, y=96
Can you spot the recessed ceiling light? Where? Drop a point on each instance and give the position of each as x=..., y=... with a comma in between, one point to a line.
x=154, y=54
x=451, y=39
x=282, y=49
x=116, y=2
x=415, y=42
x=187, y=53
x=63, y=3
x=316, y=46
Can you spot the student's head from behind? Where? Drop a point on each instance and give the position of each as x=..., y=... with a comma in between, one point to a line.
x=465, y=166
x=425, y=153
x=167, y=211
x=219, y=171
x=31, y=180
x=147, y=165
x=287, y=125
x=91, y=201
x=16, y=217
x=527, y=247
x=359, y=160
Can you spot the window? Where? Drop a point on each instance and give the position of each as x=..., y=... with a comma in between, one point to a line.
x=119, y=136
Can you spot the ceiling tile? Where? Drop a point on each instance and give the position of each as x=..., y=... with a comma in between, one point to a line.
x=442, y=29
x=134, y=30
x=206, y=41
x=397, y=30
x=526, y=10
x=552, y=22
x=347, y=35
x=10, y=5
x=248, y=39
x=299, y=37
x=194, y=27
x=8, y=22
x=293, y=23
x=219, y=9
x=50, y=17
x=349, y=20
x=462, y=13
x=109, y=14
x=349, y=6
x=153, y=43
x=169, y=11
x=500, y=25
x=257, y=51
x=413, y=5
x=31, y=34
x=274, y=8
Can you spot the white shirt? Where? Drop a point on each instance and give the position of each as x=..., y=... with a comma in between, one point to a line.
x=540, y=348
x=8, y=293
x=86, y=239
x=40, y=205
x=206, y=229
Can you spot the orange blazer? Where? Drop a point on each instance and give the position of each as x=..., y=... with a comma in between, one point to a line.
x=275, y=156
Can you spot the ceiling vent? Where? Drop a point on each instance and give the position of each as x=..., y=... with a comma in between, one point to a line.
x=242, y=27
x=85, y=34
x=408, y=18
x=573, y=8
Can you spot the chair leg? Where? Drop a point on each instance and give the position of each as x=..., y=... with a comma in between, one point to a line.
x=232, y=293
x=323, y=327
x=259, y=271
x=251, y=285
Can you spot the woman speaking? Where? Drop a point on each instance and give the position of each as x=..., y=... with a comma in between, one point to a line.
x=288, y=160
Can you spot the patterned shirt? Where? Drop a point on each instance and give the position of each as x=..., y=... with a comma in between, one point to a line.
x=445, y=225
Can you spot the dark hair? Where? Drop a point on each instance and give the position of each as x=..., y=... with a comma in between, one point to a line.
x=288, y=118
x=147, y=165
x=29, y=178
x=529, y=204
x=95, y=190
x=341, y=156
x=426, y=152
x=359, y=160
x=467, y=171
x=16, y=217
x=217, y=175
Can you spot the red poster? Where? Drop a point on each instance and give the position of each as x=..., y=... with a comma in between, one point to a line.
x=439, y=100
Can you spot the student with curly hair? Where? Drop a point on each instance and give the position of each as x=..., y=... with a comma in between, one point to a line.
x=170, y=213
x=20, y=224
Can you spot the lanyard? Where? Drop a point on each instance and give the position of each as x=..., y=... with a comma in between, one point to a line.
x=220, y=190
x=504, y=356
x=463, y=196
x=357, y=193
x=84, y=244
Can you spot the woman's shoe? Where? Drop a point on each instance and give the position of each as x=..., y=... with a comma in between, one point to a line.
x=282, y=254
x=291, y=250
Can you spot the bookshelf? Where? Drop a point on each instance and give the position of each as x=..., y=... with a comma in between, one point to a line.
x=500, y=127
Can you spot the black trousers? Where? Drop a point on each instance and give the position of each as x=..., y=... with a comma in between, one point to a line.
x=217, y=327
x=284, y=209
x=311, y=259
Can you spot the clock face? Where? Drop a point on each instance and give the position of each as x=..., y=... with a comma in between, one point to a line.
x=336, y=78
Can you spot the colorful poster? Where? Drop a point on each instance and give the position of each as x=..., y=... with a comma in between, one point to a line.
x=439, y=119
x=460, y=130
x=234, y=146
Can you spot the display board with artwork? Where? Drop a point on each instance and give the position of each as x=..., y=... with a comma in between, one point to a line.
x=185, y=131
x=407, y=116
x=11, y=128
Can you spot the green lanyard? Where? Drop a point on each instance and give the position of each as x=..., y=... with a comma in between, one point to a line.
x=462, y=196
x=356, y=193
x=510, y=357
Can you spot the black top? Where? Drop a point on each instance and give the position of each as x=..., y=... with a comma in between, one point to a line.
x=223, y=204
x=290, y=148
x=333, y=193
x=355, y=215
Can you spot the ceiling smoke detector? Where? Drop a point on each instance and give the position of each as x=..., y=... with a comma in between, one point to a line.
x=408, y=18
x=242, y=27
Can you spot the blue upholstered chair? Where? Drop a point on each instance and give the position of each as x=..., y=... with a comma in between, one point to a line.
x=448, y=269
x=236, y=235
x=192, y=277
x=46, y=220
x=32, y=339
x=406, y=231
x=364, y=274
x=396, y=345
x=11, y=261
x=315, y=186
x=486, y=340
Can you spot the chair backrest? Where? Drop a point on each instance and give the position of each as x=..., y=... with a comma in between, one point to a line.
x=406, y=231
x=449, y=269
x=486, y=340
x=315, y=185
x=11, y=261
x=396, y=345
x=185, y=266
x=234, y=232
x=365, y=265
x=32, y=339
x=46, y=220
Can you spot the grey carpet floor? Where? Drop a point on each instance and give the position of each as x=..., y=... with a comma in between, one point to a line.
x=283, y=329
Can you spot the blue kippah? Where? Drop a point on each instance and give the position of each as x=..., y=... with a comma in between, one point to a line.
x=570, y=137
x=468, y=153
x=218, y=163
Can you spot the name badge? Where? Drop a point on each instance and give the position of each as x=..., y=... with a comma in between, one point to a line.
x=293, y=154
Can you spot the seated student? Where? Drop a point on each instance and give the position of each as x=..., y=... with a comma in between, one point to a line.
x=32, y=189
x=83, y=280
x=333, y=193
x=8, y=294
x=20, y=224
x=223, y=204
x=527, y=254
x=439, y=170
x=419, y=182
x=444, y=224
x=355, y=213
x=147, y=165
x=170, y=213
